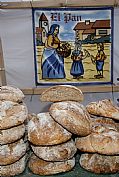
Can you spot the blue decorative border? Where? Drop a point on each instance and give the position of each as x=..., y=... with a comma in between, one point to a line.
x=72, y=9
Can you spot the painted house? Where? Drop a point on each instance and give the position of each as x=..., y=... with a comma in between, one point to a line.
x=42, y=30
x=93, y=29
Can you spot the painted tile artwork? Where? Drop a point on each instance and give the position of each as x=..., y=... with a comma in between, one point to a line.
x=73, y=45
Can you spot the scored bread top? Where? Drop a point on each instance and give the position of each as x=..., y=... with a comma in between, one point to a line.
x=43, y=130
x=62, y=93
x=71, y=115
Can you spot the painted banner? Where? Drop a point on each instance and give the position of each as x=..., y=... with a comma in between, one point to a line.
x=73, y=45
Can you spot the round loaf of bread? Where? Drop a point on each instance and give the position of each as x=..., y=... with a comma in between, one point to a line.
x=72, y=116
x=97, y=122
x=13, y=169
x=43, y=130
x=103, y=141
x=41, y=167
x=11, y=153
x=11, y=135
x=59, y=152
x=10, y=93
x=84, y=144
x=12, y=114
x=105, y=108
x=100, y=163
x=62, y=93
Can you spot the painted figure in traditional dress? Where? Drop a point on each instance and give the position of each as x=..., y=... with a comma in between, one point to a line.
x=99, y=60
x=77, y=69
x=52, y=62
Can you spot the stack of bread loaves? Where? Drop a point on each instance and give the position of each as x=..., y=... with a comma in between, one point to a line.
x=13, y=113
x=101, y=146
x=51, y=133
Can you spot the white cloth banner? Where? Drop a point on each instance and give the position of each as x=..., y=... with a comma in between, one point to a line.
x=17, y=41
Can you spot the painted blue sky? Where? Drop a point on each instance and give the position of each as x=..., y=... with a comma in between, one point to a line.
x=66, y=32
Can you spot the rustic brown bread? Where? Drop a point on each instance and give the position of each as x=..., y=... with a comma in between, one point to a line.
x=59, y=152
x=11, y=153
x=12, y=134
x=13, y=169
x=41, y=167
x=100, y=163
x=84, y=144
x=72, y=116
x=105, y=108
x=12, y=114
x=97, y=121
x=104, y=141
x=10, y=93
x=43, y=130
x=62, y=93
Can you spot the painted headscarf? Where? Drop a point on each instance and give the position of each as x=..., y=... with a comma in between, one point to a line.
x=52, y=29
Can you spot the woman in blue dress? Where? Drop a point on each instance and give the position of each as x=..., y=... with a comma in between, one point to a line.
x=53, y=64
x=77, y=69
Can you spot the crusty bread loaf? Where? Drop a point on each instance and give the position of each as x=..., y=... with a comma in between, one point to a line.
x=84, y=144
x=59, y=152
x=100, y=163
x=72, y=116
x=11, y=153
x=10, y=93
x=62, y=93
x=43, y=130
x=13, y=169
x=104, y=141
x=11, y=135
x=41, y=167
x=104, y=122
x=105, y=108
x=12, y=114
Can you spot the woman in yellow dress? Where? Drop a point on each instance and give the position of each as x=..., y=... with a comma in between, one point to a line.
x=53, y=63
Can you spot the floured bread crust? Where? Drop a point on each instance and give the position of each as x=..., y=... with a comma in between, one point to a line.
x=13, y=169
x=59, y=152
x=12, y=114
x=104, y=141
x=11, y=135
x=62, y=93
x=11, y=153
x=72, y=116
x=104, y=122
x=10, y=93
x=43, y=130
x=104, y=108
x=100, y=163
x=41, y=167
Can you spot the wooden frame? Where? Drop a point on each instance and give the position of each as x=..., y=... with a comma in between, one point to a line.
x=59, y=3
x=85, y=89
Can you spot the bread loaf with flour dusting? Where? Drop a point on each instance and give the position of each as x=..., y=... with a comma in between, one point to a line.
x=43, y=130
x=62, y=93
x=72, y=116
x=12, y=114
x=12, y=134
x=10, y=93
x=11, y=153
x=13, y=169
x=41, y=167
x=105, y=108
x=103, y=141
x=59, y=152
x=97, y=163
